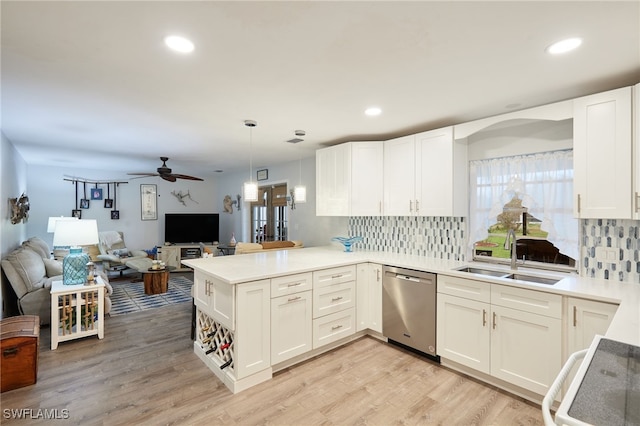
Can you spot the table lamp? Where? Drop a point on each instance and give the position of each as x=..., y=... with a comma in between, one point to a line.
x=51, y=225
x=75, y=233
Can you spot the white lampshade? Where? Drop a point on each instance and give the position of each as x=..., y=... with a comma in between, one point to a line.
x=300, y=194
x=51, y=225
x=250, y=190
x=71, y=233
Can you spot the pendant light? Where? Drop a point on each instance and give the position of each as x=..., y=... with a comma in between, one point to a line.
x=300, y=191
x=250, y=188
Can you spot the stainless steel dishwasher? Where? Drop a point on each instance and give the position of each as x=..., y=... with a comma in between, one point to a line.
x=409, y=308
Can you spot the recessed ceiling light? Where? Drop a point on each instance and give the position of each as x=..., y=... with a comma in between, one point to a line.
x=564, y=46
x=373, y=111
x=179, y=44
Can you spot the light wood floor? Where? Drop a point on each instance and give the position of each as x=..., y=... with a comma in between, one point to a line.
x=144, y=372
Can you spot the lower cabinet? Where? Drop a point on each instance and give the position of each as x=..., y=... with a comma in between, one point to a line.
x=291, y=332
x=332, y=327
x=334, y=301
x=517, y=337
x=252, y=342
x=369, y=297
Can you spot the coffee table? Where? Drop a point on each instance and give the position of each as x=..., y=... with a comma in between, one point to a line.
x=156, y=280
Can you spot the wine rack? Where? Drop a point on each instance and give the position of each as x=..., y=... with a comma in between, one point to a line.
x=215, y=340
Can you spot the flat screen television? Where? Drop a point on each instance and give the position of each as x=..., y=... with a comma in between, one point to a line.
x=192, y=228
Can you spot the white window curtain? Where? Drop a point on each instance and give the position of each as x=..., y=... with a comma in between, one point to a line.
x=544, y=183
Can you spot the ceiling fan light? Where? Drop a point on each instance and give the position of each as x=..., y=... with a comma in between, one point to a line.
x=300, y=194
x=250, y=191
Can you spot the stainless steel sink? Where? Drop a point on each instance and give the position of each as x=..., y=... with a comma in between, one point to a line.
x=509, y=275
x=532, y=279
x=482, y=271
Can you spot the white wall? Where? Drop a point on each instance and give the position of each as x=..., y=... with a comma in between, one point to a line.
x=303, y=223
x=12, y=185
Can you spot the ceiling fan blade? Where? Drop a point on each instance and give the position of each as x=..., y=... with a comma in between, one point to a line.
x=185, y=177
x=170, y=178
x=143, y=174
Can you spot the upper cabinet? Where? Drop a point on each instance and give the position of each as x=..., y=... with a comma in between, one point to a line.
x=349, y=179
x=602, y=155
x=425, y=175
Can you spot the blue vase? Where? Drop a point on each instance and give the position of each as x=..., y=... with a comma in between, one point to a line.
x=74, y=267
x=347, y=242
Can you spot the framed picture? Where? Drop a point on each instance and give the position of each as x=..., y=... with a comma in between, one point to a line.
x=84, y=203
x=149, y=201
x=263, y=174
x=115, y=214
x=96, y=193
x=76, y=213
x=108, y=203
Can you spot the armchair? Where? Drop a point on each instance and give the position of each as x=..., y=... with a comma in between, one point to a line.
x=114, y=253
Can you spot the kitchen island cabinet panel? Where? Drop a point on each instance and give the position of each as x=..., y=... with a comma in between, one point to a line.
x=291, y=326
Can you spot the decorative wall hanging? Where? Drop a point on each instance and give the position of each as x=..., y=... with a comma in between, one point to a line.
x=115, y=214
x=148, y=201
x=228, y=204
x=181, y=197
x=84, y=201
x=262, y=174
x=96, y=193
x=19, y=209
x=108, y=202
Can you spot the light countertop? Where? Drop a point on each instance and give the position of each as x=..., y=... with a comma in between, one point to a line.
x=625, y=326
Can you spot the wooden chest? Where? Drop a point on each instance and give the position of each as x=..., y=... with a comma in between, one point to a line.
x=19, y=340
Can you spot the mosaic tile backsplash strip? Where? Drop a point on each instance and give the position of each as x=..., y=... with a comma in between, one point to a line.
x=437, y=237
x=610, y=249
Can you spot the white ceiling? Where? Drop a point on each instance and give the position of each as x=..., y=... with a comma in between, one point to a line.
x=90, y=84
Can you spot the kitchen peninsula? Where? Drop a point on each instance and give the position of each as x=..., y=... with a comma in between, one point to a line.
x=260, y=313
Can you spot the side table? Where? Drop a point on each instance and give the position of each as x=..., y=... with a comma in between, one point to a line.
x=156, y=280
x=76, y=311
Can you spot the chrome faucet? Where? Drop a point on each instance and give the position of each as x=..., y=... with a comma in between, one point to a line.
x=512, y=234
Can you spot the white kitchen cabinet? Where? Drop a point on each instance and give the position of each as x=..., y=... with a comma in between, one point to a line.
x=369, y=297
x=602, y=148
x=636, y=150
x=399, y=176
x=349, y=179
x=252, y=337
x=463, y=332
x=334, y=301
x=526, y=348
x=333, y=327
x=441, y=174
x=215, y=298
x=425, y=175
x=516, y=337
x=291, y=326
x=584, y=320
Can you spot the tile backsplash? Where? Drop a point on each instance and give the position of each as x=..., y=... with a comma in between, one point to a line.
x=610, y=248
x=437, y=237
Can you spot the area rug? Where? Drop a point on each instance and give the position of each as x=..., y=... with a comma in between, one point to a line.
x=129, y=296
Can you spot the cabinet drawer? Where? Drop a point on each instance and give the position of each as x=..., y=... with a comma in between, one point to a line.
x=536, y=302
x=333, y=327
x=462, y=287
x=333, y=276
x=333, y=298
x=282, y=286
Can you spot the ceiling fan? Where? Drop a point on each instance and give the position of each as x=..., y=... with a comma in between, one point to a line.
x=165, y=173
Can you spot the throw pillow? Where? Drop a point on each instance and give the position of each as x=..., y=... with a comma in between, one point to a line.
x=53, y=267
x=123, y=252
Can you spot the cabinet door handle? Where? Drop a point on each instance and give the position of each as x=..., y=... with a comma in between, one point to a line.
x=336, y=327
x=293, y=299
x=484, y=317
x=333, y=277
x=494, y=320
x=335, y=299
x=378, y=275
x=575, y=315
x=410, y=206
x=380, y=207
x=636, y=200
x=294, y=284
x=578, y=203
x=417, y=206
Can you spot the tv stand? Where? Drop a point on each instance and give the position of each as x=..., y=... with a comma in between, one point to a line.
x=173, y=255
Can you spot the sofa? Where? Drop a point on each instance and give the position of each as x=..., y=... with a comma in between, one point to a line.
x=244, y=248
x=30, y=271
x=114, y=253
